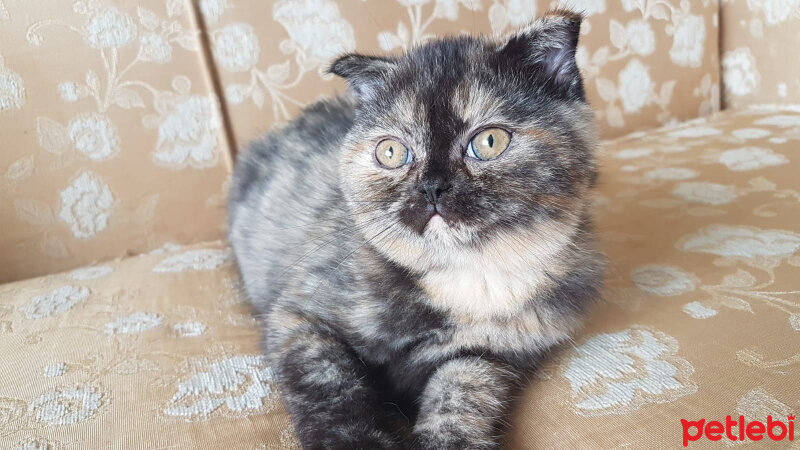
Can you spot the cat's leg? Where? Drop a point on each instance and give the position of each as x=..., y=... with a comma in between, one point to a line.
x=465, y=404
x=329, y=391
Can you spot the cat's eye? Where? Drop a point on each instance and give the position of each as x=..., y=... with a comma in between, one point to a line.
x=392, y=154
x=489, y=143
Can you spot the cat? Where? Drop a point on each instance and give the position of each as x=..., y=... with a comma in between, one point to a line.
x=415, y=245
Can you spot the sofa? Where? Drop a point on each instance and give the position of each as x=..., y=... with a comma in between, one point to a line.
x=123, y=322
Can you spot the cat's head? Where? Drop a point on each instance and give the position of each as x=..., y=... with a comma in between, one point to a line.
x=468, y=142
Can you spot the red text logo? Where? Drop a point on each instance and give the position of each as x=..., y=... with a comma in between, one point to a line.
x=738, y=430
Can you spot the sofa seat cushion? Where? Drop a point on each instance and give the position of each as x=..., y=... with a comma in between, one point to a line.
x=153, y=351
x=701, y=319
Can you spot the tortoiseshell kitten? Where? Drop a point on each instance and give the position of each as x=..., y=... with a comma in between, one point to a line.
x=415, y=246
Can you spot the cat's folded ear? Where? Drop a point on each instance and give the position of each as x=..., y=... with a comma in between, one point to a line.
x=545, y=50
x=364, y=74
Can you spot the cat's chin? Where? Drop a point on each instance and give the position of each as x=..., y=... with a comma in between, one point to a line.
x=441, y=231
x=436, y=223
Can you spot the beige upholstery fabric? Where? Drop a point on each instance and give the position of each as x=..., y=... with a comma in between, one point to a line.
x=759, y=41
x=155, y=351
x=111, y=133
x=701, y=223
x=646, y=62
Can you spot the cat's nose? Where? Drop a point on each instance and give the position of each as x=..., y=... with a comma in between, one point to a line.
x=433, y=189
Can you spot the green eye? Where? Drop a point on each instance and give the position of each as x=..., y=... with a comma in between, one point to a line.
x=392, y=154
x=489, y=143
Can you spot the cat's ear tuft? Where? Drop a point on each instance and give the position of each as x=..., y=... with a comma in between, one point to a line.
x=364, y=74
x=546, y=48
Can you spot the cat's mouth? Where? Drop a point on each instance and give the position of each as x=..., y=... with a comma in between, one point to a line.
x=427, y=218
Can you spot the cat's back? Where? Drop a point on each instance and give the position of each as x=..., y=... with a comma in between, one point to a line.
x=284, y=184
x=286, y=153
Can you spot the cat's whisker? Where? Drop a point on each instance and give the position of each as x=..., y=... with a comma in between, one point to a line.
x=340, y=231
x=348, y=200
x=331, y=219
x=360, y=246
x=358, y=227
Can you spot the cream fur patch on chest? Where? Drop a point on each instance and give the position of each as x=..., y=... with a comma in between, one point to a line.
x=497, y=280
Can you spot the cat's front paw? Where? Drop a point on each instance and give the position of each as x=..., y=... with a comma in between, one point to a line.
x=455, y=437
x=351, y=436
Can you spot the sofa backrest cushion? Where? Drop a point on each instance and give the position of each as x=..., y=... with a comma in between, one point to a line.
x=759, y=44
x=112, y=139
x=646, y=63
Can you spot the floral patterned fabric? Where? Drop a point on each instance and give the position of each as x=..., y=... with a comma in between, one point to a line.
x=111, y=132
x=154, y=351
x=759, y=51
x=701, y=223
x=646, y=62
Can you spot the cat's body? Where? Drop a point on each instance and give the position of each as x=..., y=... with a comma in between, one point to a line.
x=403, y=307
